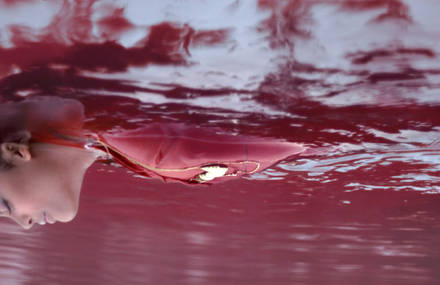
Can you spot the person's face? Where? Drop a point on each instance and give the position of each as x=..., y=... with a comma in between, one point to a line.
x=44, y=184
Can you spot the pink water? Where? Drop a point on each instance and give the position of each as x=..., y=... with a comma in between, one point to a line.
x=356, y=81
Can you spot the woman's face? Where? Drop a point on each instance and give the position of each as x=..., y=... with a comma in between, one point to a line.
x=45, y=183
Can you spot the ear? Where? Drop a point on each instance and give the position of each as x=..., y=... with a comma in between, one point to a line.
x=15, y=152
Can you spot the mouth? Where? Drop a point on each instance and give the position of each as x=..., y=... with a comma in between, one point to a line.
x=47, y=218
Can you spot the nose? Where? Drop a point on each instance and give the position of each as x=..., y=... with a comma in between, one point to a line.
x=25, y=221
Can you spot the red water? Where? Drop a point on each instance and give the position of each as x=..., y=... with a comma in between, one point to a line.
x=356, y=81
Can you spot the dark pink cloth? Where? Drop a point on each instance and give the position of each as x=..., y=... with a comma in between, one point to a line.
x=178, y=152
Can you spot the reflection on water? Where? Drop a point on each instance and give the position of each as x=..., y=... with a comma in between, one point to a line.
x=230, y=232
x=355, y=82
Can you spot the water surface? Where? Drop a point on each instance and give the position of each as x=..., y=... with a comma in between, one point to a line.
x=355, y=81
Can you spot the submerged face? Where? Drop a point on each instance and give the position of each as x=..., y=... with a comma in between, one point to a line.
x=44, y=184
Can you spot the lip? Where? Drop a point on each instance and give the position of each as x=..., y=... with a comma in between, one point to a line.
x=47, y=218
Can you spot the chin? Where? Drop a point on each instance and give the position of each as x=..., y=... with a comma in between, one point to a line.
x=67, y=216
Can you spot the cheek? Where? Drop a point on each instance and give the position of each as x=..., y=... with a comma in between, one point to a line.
x=27, y=207
x=58, y=203
x=53, y=191
x=53, y=195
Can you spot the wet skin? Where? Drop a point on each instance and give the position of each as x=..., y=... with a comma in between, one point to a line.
x=45, y=183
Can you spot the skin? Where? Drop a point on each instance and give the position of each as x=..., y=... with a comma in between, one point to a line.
x=45, y=183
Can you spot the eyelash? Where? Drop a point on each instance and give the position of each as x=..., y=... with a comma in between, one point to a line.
x=7, y=205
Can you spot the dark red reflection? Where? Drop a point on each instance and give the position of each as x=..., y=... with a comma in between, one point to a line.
x=114, y=23
x=395, y=9
x=165, y=44
x=367, y=57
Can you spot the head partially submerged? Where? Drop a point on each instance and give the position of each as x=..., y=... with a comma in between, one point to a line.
x=39, y=182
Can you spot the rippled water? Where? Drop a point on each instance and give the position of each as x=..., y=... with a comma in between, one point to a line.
x=355, y=81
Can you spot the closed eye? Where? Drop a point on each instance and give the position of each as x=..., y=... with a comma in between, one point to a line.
x=5, y=207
